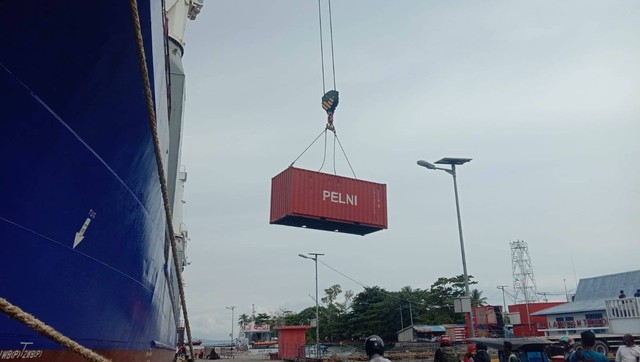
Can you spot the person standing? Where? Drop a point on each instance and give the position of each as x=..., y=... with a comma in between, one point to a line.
x=637, y=293
x=622, y=296
x=567, y=345
x=509, y=356
x=471, y=353
x=587, y=354
x=374, y=347
x=629, y=352
x=482, y=355
x=446, y=353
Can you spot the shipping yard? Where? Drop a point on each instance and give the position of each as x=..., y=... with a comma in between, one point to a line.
x=325, y=181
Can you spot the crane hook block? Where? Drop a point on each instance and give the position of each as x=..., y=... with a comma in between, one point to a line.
x=330, y=101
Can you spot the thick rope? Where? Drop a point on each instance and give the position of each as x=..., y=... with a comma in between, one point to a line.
x=47, y=331
x=163, y=181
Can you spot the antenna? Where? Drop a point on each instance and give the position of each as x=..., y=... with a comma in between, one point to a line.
x=524, y=282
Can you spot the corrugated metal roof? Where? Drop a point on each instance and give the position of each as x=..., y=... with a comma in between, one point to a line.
x=428, y=328
x=592, y=292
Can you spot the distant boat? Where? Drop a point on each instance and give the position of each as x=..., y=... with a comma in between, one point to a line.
x=265, y=344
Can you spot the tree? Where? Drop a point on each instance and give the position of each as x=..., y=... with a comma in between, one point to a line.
x=331, y=294
x=477, y=299
x=439, y=300
x=377, y=311
x=263, y=318
x=345, y=306
x=243, y=319
x=372, y=312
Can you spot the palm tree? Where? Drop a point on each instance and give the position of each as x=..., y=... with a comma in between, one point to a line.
x=243, y=319
x=477, y=299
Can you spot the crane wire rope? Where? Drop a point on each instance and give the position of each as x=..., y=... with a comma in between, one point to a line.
x=329, y=126
x=345, y=156
x=333, y=62
x=324, y=156
x=324, y=89
x=305, y=150
x=334, y=153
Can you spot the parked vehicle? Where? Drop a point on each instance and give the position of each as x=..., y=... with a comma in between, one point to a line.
x=622, y=316
x=533, y=349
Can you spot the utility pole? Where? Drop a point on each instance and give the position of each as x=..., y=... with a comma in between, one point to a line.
x=233, y=307
x=504, y=301
x=410, y=313
x=315, y=259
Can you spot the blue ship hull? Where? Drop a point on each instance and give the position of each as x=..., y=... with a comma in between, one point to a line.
x=77, y=162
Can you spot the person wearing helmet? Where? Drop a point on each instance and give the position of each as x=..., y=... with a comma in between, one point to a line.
x=374, y=347
x=446, y=353
x=567, y=344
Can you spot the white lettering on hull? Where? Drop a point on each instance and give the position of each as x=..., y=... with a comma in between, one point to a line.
x=21, y=354
x=339, y=198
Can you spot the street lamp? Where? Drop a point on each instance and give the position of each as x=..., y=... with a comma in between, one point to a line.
x=233, y=307
x=315, y=259
x=453, y=162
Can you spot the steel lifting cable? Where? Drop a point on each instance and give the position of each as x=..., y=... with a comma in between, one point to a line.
x=305, y=150
x=158, y=153
x=329, y=100
x=324, y=89
x=333, y=62
x=347, y=158
x=324, y=156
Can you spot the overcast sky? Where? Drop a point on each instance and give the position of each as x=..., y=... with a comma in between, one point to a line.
x=543, y=96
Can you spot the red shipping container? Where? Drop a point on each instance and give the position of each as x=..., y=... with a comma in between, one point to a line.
x=291, y=342
x=321, y=201
x=535, y=322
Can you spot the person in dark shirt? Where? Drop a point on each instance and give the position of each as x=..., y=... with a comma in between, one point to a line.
x=621, y=296
x=446, y=353
x=482, y=355
x=637, y=293
x=587, y=354
x=507, y=352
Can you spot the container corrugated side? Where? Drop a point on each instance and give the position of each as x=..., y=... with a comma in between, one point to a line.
x=328, y=202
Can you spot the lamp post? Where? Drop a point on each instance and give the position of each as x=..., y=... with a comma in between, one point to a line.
x=453, y=162
x=233, y=307
x=315, y=259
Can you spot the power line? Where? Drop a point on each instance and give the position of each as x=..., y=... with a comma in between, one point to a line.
x=366, y=286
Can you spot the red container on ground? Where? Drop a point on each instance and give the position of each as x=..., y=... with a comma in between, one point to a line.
x=529, y=324
x=291, y=342
x=321, y=201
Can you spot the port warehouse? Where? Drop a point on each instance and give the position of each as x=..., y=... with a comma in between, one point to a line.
x=588, y=310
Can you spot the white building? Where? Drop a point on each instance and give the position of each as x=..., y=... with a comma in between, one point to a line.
x=596, y=307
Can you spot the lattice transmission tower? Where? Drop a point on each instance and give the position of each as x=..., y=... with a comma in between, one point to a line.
x=524, y=282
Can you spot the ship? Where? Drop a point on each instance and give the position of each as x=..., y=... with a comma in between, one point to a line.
x=86, y=234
